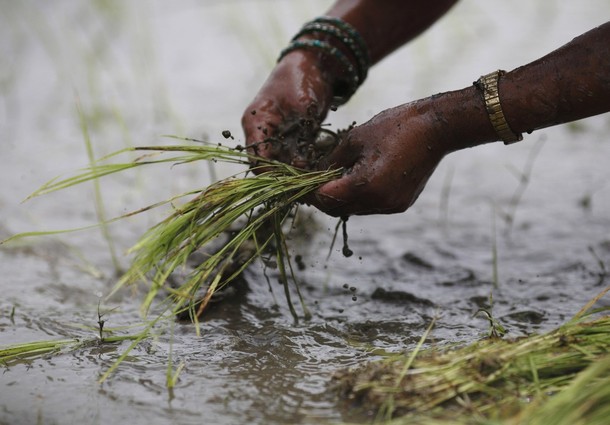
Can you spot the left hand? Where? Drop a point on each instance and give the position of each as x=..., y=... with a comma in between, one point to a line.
x=289, y=107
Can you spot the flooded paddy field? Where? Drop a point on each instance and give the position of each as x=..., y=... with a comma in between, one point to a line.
x=528, y=223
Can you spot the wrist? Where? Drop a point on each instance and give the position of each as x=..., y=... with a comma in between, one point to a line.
x=462, y=119
x=310, y=72
x=332, y=63
x=342, y=52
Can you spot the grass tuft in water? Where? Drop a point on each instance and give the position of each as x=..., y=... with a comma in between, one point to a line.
x=560, y=377
x=19, y=353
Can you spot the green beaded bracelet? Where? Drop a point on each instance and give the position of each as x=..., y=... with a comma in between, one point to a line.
x=341, y=93
x=351, y=31
x=343, y=37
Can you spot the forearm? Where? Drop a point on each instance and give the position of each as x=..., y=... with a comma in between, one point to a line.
x=388, y=24
x=571, y=83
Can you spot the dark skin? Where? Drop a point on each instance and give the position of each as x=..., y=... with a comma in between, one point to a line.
x=388, y=160
x=300, y=86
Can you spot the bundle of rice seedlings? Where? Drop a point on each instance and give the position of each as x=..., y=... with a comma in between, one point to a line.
x=262, y=202
x=561, y=377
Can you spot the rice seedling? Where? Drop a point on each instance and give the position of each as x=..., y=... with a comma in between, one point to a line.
x=560, y=377
x=603, y=272
x=494, y=249
x=171, y=377
x=496, y=329
x=524, y=177
x=135, y=341
x=98, y=199
x=19, y=353
x=262, y=204
x=86, y=337
x=445, y=194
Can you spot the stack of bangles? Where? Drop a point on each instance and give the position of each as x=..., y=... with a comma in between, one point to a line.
x=351, y=42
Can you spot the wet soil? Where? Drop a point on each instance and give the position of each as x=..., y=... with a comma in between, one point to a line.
x=136, y=79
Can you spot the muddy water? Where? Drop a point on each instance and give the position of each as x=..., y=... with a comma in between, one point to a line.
x=140, y=70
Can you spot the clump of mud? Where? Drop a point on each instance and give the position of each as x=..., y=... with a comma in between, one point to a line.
x=303, y=142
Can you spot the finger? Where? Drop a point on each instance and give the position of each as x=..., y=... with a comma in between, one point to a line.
x=257, y=130
x=259, y=126
x=344, y=155
x=340, y=197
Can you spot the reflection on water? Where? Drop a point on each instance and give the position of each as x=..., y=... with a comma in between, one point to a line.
x=138, y=70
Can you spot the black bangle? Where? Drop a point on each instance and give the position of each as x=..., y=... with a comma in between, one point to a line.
x=344, y=89
x=352, y=43
x=345, y=38
x=351, y=32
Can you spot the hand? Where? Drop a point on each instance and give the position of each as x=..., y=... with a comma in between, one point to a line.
x=289, y=108
x=387, y=162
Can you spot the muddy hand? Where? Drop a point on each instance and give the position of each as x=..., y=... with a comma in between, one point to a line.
x=387, y=162
x=287, y=111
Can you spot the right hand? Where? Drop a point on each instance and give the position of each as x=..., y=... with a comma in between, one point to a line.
x=289, y=107
x=387, y=161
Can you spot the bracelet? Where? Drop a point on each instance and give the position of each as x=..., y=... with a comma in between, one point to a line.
x=488, y=85
x=342, y=91
x=351, y=42
x=357, y=44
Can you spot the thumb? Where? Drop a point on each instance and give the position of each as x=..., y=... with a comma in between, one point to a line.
x=344, y=155
x=338, y=197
